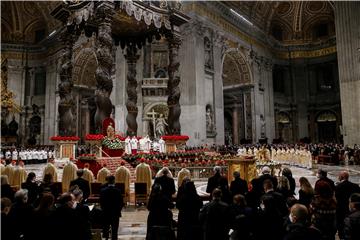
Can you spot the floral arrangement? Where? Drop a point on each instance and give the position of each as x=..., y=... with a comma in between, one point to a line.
x=87, y=157
x=115, y=143
x=65, y=138
x=94, y=137
x=175, y=137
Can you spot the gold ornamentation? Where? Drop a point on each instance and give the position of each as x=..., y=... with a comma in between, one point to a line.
x=7, y=96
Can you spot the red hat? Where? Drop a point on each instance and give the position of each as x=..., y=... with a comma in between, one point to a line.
x=86, y=165
x=142, y=160
x=21, y=163
x=122, y=163
x=104, y=165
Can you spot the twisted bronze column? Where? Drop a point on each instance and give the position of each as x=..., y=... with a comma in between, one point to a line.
x=173, y=86
x=66, y=103
x=131, y=59
x=104, y=55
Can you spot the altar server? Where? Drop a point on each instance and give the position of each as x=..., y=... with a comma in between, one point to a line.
x=134, y=145
x=127, y=145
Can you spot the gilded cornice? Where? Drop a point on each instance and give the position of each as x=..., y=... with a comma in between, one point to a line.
x=306, y=54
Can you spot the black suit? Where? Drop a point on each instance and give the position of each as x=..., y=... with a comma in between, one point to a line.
x=264, y=177
x=167, y=185
x=213, y=182
x=111, y=202
x=83, y=185
x=280, y=202
x=343, y=192
x=238, y=186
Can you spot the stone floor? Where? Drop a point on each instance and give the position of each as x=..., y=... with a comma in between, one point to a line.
x=133, y=222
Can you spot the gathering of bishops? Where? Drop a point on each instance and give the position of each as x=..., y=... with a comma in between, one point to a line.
x=180, y=120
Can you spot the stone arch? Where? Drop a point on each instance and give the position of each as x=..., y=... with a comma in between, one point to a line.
x=84, y=68
x=235, y=68
x=153, y=105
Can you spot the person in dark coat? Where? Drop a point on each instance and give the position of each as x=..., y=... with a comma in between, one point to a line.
x=159, y=222
x=82, y=183
x=286, y=172
x=167, y=184
x=352, y=222
x=47, y=186
x=298, y=229
x=343, y=191
x=32, y=187
x=279, y=200
x=269, y=220
x=83, y=212
x=43, y=217
x=215, y=218
x=21, y=213
x=238, y=185
x=266, y=174
x=111, y=202
x=7, y=225
x=6, y=190
x=189, y=204
x=242, y=221
x=214, y=181
x=322, y=176
x=67, y=223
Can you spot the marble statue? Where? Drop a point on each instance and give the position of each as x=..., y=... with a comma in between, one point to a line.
x=160, y=126
x=209, y=120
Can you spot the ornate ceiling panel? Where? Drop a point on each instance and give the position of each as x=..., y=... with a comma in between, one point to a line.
x=294, y=21
x=20, y=20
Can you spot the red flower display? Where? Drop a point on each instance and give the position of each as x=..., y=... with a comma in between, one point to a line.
x=175, y=137
x=65, y=138
x=94, y=137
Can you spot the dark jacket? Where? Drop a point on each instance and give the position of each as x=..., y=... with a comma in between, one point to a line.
x=279, y=201
x=270, y=224
x=343, y=191
x=292, y=184
x=324, y=216
x=45, y=219
x=83, y=185
x=242, y=222
x=67, y=224
x=188, y=218
x=213, y=182
x=352, y=226
x=7, y=228
x=214, y=219
x=167, y=185
x=297, y=231
x=328, y=180
x=33, y=191
x=7, y=191
x=111, y=201
x=305, y=198
x=21, y=214
x=238, y=186
x=264, y=177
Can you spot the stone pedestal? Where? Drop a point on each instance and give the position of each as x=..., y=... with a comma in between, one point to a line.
x=246, y=166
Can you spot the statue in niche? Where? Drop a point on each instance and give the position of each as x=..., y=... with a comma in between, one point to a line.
x=208, y=53
x=209, y=119
x=13, y=127
x=160, y=126
x=262, y=126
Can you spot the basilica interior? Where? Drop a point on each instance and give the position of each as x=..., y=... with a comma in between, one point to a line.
x=221, y=73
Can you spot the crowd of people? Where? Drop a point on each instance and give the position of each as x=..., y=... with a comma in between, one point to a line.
x=27, y=155
x=265, y=208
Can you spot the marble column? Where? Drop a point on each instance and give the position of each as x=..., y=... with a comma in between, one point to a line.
x=173, y=85
x=235, y=124
x=131, y=103
x=347, y=22
x=104, y=55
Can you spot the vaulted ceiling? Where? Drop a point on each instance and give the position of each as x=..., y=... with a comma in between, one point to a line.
x=27, y=21
x=289, y=21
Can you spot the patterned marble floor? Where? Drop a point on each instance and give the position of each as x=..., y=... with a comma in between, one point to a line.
x=133, y=223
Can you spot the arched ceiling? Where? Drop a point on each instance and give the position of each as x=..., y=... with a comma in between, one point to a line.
x=289, y=21
x=22, y=20
x=235, y=70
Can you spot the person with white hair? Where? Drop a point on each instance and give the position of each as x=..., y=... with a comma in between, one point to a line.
x=183, y=173
x=266, y=174
x=161, y=172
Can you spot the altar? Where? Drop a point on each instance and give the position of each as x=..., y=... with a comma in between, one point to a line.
x=245, y=165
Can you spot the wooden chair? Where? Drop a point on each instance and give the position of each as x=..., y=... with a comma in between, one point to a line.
x=141, y=195
x=121, y=186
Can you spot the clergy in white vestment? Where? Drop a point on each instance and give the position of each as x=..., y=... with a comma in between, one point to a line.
x=9, y=172
x=162, y=145
x=134, y=145
x=15, y=155
x=127, y=145
x=19, y=175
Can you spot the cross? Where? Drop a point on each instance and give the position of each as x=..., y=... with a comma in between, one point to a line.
x=152, y=115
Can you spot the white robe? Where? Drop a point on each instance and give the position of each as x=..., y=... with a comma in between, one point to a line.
x=127, y=145
x=162, y=146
